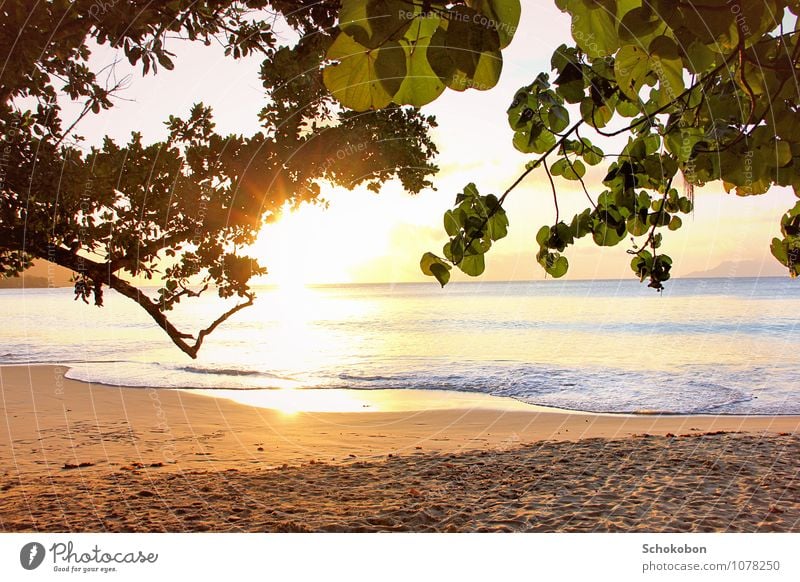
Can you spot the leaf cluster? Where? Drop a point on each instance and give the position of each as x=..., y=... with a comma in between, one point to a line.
x=408, y=53
x=473, y=225
x=695, y=91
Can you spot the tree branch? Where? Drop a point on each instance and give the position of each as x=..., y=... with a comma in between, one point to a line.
x=101, y=273
x=143, y=252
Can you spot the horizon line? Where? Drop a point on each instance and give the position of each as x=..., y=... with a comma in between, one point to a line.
x=548, y=280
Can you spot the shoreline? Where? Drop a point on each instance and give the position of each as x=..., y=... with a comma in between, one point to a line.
x=434, y=399
x=83, y=457
x=439, y=400
x=73, y=422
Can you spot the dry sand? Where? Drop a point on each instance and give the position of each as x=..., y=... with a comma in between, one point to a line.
x=165, y=460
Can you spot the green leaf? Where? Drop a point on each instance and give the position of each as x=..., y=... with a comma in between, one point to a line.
x=441, y=273
x=498, y=225
x=668, y=67
x=565, y=234
x=636, y=226
x=779, y=251
x=502, y=15
x=596, y=116
x=451, y=223
x=642, y=264
x=699, y=58
x=353, y=20
x=466, y=55
x=374, y=22
x=421, y=85
x=682, y=140
x=554, y=264
x=639, y=25
x=471, y=190
x=594, y=27
x=605, y=236
x=572, y=92
x=433, y=266
x=558, y=118
x=543, y=236
x=628, y=108
x=354, y=80
x=472, y=265
x=631, y=69
x=534, y=142
x=390, y=67
x=581, y=224
x=559, y=268
x=569, y=171
x=591, y=154
x=454, y=250
x=487, y=72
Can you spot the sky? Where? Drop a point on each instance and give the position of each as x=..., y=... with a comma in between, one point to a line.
x=726, y=235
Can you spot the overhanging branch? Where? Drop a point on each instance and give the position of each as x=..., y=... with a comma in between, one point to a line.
x=101, y=273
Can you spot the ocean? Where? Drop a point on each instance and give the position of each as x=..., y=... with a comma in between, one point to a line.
x=716, y=346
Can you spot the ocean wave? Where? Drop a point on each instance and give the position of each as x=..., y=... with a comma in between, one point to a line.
x=357, y=378
x=232, y=372
x=691, y=390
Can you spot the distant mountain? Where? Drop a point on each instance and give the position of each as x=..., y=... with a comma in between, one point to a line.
x=746, y=268
x=42, y=274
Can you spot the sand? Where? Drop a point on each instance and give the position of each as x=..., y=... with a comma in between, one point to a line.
x=167, y=460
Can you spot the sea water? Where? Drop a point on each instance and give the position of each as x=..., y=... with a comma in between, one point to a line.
x=703, y=346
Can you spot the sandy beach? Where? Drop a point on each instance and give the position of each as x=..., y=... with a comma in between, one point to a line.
x=82, y=457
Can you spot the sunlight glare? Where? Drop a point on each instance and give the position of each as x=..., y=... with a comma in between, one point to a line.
x=317, y=245
x=290, y=401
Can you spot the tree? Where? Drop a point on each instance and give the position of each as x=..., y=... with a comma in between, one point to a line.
x=700, y=90
x=178, y=211
x=704, y=91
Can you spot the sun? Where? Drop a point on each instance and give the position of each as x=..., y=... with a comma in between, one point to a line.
x=314, y=244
